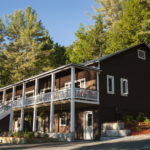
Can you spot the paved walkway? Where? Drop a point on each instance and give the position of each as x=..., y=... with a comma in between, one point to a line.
x=125, y=143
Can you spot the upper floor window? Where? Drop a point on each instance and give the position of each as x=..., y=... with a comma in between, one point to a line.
x=124, y=86
x=110, y=84
x=78, y=84
x=141, y=54
x=30, y=93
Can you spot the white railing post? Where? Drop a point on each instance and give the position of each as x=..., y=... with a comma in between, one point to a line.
x=4, y=97
x=35, y=108
x=52, y=104
x=11, y=111
x=72, y=105
x=22, y=108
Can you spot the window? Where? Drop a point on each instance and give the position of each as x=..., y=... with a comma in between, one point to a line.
x=141, y=54
x=30, y=93
x=124, y=87
x=78, y=84
x=63, y=119
x=110, y=84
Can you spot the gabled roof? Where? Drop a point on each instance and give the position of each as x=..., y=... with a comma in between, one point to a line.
x=99, y=59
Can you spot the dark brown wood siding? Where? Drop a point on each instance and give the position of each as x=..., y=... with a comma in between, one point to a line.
x=125, y=65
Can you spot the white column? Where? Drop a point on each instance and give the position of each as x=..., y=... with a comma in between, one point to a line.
x=52, y=104
x=97, y=86
x=4, y=96
x=35, y=108
x=11, y=112
x=98, y=83
x=72, y=106
x=22, y=108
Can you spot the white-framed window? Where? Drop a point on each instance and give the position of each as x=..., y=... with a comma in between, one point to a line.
x=30, y=93
x=124, y=87
x=110, y=84
x=81, y=83
x=141, y=54
x=63, y=119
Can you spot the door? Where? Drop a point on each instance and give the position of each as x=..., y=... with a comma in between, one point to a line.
x=88, y=125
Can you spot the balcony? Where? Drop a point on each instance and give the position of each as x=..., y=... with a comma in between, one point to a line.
x=80, y=94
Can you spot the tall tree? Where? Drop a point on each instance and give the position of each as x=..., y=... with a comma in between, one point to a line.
x=89, y=43
x=133, y=27
x=111, y=10
x=27, y=40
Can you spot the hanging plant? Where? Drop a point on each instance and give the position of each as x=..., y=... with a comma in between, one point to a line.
x=62, y=115
x=42, y=115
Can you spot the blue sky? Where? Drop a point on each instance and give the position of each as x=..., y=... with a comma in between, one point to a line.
x=61, y=18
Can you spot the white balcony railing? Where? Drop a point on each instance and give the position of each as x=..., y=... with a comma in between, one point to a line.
x=29, y=101
x=17, y=103
x=62, y=94
x=43, y=98
x=80, y=94
x=85, y=94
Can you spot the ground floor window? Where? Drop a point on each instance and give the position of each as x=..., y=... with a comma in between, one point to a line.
x=63, y=119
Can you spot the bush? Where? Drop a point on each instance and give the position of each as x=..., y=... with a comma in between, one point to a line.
x=146, y=120
x=5, y=134
x=46, y=135
x=17, y=134
x=138, y=128
x=128, y=119
x=28, y=134
x=140, y=117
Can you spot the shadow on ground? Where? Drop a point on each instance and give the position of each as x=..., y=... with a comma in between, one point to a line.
x=126, y=145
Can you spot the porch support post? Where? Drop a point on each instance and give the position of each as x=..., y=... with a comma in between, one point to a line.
x=52, y=104
x=35, y=108
x=97, y=86
x=22, y=108
x=4, y=96
x=11, y=111
x=72, y=105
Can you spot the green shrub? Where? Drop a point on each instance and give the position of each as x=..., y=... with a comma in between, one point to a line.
x=28, y=134
x=5, y=134
x=17, y=134
x=146, y=120
x=128, y=119
x=140, y=117
x=46, y=135
x=138, y=128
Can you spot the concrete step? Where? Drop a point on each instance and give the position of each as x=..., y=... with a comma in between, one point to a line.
x=112, y=126
x=115, y=133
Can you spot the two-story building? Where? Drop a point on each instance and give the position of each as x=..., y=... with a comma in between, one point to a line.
x=73, y=100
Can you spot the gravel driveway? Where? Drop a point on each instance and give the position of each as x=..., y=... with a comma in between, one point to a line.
x=125, y=143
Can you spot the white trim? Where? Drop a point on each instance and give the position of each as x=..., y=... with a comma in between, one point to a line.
x=65, y=124
x=87, y=102
x=85, y=113
x=144, y=54
x=29, y=92
x=126, y=87
x=79, y=80
x=112, y=80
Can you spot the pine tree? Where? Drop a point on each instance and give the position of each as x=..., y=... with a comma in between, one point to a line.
x=89, y=43
x=133, y=27
x=28, y=39
x=111, y=10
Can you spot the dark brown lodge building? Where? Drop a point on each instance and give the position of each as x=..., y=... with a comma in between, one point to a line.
x=73, y=100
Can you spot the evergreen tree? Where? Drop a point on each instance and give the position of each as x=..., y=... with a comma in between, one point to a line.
x=133, y=27
x=89, y=43
x=111, y=10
